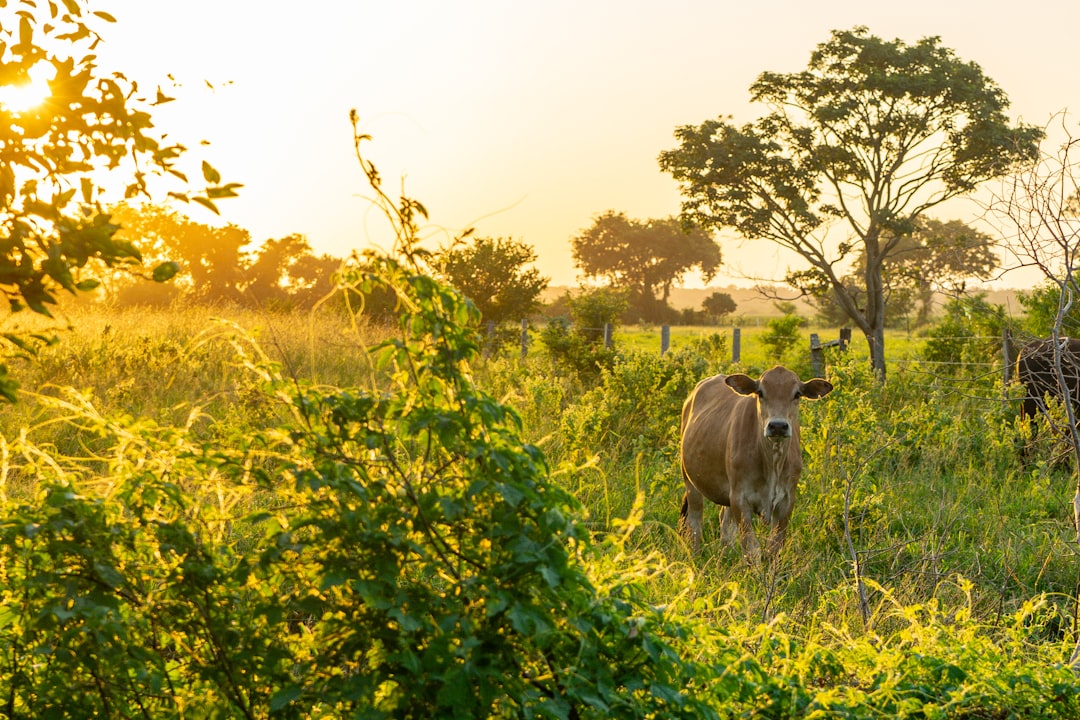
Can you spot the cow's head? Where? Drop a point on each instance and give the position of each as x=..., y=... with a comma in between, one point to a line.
x=778, y=393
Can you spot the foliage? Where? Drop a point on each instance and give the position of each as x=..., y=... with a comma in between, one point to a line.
x=719, y=304
x=579, y=343
x=992, y=642
x=644, y=258
x=781, y=336
x=492, y=274
x=1041, y=310
x=214, y=264
x=872, y=134
x=389, y=550
x=55, y=234
x=936, y=257
x=970, y=333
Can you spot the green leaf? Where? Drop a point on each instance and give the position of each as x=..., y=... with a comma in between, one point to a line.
x=166, y=271
x=284, y=696
x=8, y=387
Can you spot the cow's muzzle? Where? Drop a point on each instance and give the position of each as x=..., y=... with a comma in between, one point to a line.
x=778, y=429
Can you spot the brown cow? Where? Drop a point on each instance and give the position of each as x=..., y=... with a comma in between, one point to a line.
x=740, y=449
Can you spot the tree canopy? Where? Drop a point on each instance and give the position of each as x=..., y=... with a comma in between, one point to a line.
x=219, y=264
x=937, y=257
x=644, y=257
x=492, y=273
x=719, y=304
x=851, y=153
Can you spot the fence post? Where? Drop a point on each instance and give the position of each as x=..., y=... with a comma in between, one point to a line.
x=490, y=340
x=1006, y=351
x=524, y=337
x=817, y=357
x=736, y=337
x=665, y=339
x=845, y=338
x=607, y=336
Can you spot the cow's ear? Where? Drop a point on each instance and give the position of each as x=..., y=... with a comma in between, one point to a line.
x=816, y=388
x=742, y=384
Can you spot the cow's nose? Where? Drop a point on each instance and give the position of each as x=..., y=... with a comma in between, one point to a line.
x=778, y=429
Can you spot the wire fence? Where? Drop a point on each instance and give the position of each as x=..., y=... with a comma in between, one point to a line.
x=1003, y=364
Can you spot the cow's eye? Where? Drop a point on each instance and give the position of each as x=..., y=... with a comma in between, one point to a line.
x=759, y=394
x=798, y=394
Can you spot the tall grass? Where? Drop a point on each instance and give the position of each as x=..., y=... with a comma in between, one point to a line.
x=962, y=548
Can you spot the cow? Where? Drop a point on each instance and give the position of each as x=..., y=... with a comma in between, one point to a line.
x=740, y=448
x=1036, y=369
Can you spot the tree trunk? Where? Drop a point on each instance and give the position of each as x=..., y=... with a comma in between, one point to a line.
x=875, y=307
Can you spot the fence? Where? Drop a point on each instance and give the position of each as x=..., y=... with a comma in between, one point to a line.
x=817, y=347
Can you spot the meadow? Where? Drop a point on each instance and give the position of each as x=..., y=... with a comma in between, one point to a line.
x=930, y=570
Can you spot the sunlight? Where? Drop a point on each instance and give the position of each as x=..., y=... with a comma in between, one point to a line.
x=25, y=96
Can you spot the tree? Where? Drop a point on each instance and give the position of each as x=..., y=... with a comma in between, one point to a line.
x=719, y=304
x=863, y=142
x=1041, y=306
x=210, y=260
x=1039, y=211
x=286, y=273
x=492, y=273
x=936, y=257
x=214, y=265
x=645, y=258
x=53, y=230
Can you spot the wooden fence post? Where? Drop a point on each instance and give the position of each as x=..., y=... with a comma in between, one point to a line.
x=736, y=339
x=845, y=338
x=607, y=336
x=1006, y=352
x=524, y=337
x=490, y=339
x=665, y=339
x=817, y=356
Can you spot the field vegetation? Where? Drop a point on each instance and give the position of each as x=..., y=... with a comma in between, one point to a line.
x=929, y=570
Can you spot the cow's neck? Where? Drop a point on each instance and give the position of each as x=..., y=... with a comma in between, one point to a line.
x=774, y=456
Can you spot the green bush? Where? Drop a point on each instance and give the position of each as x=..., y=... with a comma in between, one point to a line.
x=781, y=337
x=969, y=335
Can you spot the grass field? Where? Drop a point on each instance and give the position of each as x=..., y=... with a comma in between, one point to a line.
x=917, y=513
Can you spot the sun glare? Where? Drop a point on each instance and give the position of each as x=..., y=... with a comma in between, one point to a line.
x=22, y=97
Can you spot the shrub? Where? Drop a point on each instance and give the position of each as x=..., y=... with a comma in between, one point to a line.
x=969, y=334
x=781, y=336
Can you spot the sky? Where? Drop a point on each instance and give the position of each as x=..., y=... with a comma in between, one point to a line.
x=521, y=119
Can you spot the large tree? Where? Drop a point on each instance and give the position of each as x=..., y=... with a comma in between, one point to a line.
x=493, y=273
x=646, y=258
x=852, y=152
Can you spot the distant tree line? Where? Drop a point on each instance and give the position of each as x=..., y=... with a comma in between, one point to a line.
x=217, y=265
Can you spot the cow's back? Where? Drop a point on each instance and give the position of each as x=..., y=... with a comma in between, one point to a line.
x=1036, y=369
x=713, y=418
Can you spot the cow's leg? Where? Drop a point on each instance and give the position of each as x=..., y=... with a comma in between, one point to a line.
x=729, y=529
x=690, y=515
x=779, y=521
x=778, y=534
x=742, y=516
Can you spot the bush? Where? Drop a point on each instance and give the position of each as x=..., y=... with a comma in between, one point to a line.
x=781, y=336
x=970, y=334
